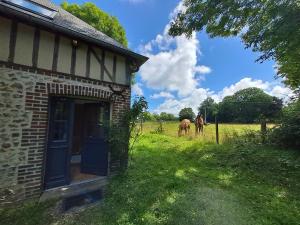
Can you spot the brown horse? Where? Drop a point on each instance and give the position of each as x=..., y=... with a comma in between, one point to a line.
x=199, y=123
x=184, y=126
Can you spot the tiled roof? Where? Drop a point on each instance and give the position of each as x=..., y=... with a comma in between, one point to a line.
x=67, y=21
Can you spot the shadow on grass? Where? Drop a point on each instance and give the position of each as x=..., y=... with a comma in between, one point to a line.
x=179, y=181
x=30, y=213
x=176, y=181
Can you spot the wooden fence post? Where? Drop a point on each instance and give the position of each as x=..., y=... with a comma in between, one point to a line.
x=263, y=126
x=161, y=126
x=263, y=129
x=217, y=129
x=141, y=124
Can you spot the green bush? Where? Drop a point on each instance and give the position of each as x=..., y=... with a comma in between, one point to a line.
x=159, y=130
x=123, y=135
x=249, y=138
x=288, y=133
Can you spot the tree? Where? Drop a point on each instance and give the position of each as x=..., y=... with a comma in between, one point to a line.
x=271, y=27
x=156, y=116
x=210, y=107
x=167, y=116
x=227, y=110
x=288, y=133
x=147, y=116
x=187, y=113
x=249, y=105
x=99, y=19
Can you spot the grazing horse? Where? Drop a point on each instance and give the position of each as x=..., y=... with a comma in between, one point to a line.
x=184, y=126
x=199, y=123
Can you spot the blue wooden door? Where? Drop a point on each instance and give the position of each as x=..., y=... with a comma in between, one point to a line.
x=59, y=140
x=94, y=157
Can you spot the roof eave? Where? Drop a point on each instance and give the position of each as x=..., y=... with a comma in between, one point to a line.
x=12, y=11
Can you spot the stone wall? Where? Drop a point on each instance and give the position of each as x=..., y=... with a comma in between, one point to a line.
x=23, y=124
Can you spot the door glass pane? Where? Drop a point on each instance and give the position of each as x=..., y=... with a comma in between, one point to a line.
x=60, y=130
x=60, y=121
x=61, y=111
x=96, y=121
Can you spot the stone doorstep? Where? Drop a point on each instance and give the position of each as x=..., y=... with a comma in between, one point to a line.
x=74, y=189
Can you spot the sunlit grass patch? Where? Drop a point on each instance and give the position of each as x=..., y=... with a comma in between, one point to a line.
x=192, y=181
x=225, y=130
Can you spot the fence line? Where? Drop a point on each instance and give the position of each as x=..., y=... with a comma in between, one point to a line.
x=214, y=132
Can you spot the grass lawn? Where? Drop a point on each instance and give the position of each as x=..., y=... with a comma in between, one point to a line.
x=186, y=181
x=171, y=128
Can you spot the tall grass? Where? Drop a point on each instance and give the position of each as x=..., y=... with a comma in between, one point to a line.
x=225, y=130
x=190, y=181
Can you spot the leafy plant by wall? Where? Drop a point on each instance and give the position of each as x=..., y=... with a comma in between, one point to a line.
x=122, y=136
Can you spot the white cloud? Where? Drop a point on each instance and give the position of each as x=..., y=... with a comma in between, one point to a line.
x=197, y=96
x=193, y=101
x=179, y=8
x=271, y=88
x=173, y=67
x=242, y=84
x=202, y=69
x=282, y=92
x=162, y=94
x=136, y=89
x=172, y=64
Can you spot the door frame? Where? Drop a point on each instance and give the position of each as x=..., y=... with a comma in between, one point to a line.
x=51, y=99
x=101, y=165
x=73, y=98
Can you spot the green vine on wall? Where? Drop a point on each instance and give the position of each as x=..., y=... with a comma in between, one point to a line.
x=122, y=136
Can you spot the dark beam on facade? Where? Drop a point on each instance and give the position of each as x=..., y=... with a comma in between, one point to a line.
x=55, y=53
x=114, y=68
x=88, y=62
x=36, y=45
x=12, y=42
x=73, y=60
x=102, y=65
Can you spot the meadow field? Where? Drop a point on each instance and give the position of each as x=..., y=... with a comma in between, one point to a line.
x=188, y=181
x=225, y=130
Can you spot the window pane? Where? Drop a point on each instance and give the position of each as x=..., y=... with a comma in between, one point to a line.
x=60, y=131
x=32, y=7
x=96, y=122
x=61, y=111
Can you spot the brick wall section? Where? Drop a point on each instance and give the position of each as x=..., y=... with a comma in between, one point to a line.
x=120, y=106
x=33, y=140
x=23, y=124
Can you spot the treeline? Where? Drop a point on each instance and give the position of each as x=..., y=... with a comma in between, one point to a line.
x=147, y=116
x=249, y=105
x=245, y=106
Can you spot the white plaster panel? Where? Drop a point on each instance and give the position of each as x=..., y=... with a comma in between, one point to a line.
x=5, y=26
x=81, y=52
x=95, y=67
x=46, y=49
x=64, y=55
x=121, y=70
x=109, y=59
x=24, y=45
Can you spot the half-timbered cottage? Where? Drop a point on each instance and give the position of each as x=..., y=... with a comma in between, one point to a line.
x=60, y=82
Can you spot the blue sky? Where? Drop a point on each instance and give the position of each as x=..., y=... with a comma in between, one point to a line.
x=182, y=72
